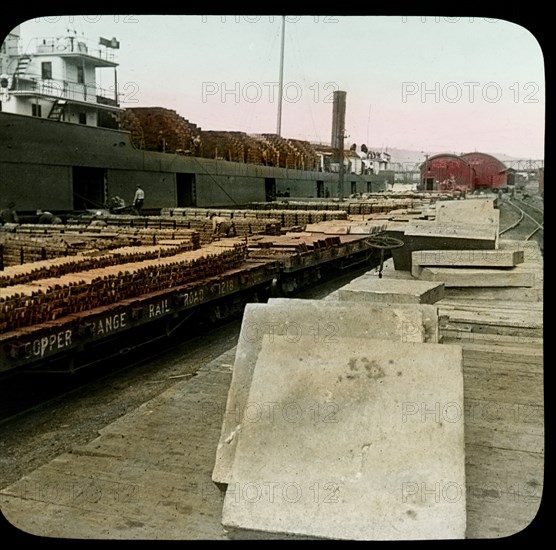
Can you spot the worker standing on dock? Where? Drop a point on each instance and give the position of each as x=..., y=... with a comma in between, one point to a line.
x=138, y=200
x=9, y=215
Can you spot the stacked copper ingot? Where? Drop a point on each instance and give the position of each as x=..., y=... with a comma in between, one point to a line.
x=19, y=249
x=191, y=219
x=350, y=206
x=373, y=206
x=47, y=299
x=56, y=267
x=116, y=231
x=286, y=216
x=160, y=129
x=31, y=242
x=298, y=243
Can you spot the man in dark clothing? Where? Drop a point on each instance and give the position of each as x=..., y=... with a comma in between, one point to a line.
x=48, y=218
x=9, y=215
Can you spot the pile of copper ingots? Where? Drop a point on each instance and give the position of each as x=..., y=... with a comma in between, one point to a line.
x=49, y=298
x=31, y=243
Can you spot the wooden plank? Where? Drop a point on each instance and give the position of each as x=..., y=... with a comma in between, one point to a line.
x=515, y=387
x=504, y=489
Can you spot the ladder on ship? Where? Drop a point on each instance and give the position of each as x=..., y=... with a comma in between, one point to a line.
x=22, y=65
x=20, y=70
x=57, y=110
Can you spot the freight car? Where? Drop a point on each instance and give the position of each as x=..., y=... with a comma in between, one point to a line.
x=123, y=328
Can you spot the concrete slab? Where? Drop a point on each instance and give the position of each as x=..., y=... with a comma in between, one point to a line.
x=310, y=323
x=531, y=249
x=483, y=232
x=429, y=235
x=468, y=212
x=408, y=322
x=471, y=277
x=465, y=258
x=392, y=291
x=368, y=228
x=363, y=443
x=329, y=227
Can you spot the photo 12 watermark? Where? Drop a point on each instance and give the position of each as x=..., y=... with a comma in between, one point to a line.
x=254, y=19
x=470, y=92
x=290, y=331
x=291, y=412
x=472, y=411
x=446, y=19
x=255, y=92
x=278, y=492
x=421, y=492
x=64, y=493
x=90, y=19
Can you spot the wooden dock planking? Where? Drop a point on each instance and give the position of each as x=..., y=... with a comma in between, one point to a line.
x=501, y=332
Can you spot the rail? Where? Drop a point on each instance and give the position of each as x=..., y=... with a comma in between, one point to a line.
x=523, y=214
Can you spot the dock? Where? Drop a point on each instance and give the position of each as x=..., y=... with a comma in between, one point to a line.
x=149, y=475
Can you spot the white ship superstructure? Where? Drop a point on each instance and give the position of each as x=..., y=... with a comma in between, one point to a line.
x=56, y=78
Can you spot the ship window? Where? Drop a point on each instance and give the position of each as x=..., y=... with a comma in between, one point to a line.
x=82, y=118
x=80, y=75
x=46, y=70
x=36, y=109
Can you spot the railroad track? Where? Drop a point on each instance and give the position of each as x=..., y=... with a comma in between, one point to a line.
x=529, y=224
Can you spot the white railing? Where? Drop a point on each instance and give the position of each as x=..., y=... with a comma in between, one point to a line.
x=62, y=89
x=73, y=44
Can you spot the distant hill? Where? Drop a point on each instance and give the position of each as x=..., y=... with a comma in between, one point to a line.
x=417, y=157
x=408, y=156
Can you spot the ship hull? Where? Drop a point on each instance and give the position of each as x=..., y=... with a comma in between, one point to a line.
x=65, y=167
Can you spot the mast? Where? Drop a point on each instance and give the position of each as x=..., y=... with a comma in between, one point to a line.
x=281, y=82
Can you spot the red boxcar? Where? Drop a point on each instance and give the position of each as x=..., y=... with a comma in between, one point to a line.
x=489, y=172
x=446, y=172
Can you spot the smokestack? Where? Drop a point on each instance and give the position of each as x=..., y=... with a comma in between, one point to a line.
x=338, y=118
x=338, y=131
